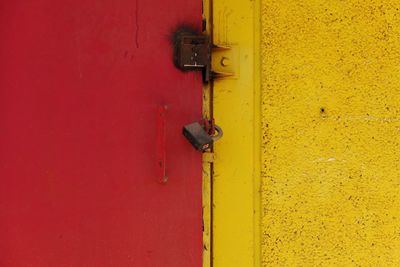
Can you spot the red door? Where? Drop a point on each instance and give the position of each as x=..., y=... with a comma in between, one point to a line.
x=82, y=84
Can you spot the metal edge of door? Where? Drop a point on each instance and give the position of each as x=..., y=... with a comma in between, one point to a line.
x=208, y=156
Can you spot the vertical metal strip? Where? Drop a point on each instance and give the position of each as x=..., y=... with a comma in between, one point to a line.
x=207, y=157
x=161, y=144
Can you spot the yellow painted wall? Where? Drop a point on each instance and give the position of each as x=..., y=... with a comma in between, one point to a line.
x=330, y=133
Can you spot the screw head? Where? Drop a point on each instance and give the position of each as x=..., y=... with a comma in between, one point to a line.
x=225, y=62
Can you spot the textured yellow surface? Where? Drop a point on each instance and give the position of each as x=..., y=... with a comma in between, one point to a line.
x=330, y=133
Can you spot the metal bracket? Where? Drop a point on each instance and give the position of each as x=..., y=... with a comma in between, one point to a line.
x=195, y=53
x=224, y=61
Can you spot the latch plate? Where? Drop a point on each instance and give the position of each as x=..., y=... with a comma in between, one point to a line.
x=193, y=52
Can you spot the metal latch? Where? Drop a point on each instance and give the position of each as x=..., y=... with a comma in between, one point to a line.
x=202, y=136
x=193, y=52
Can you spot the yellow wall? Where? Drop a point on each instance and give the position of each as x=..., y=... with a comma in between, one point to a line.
x=330, y=133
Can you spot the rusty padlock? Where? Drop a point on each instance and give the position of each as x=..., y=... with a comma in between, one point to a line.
x=198, y=136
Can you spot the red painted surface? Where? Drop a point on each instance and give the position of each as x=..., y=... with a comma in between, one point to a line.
x=81, y=83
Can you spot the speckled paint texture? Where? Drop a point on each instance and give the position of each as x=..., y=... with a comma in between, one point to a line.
x=331, y=133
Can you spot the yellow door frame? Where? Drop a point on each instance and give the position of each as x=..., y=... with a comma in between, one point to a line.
x=232, y=186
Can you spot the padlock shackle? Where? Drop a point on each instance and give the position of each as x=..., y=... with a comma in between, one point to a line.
x=219, y=134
